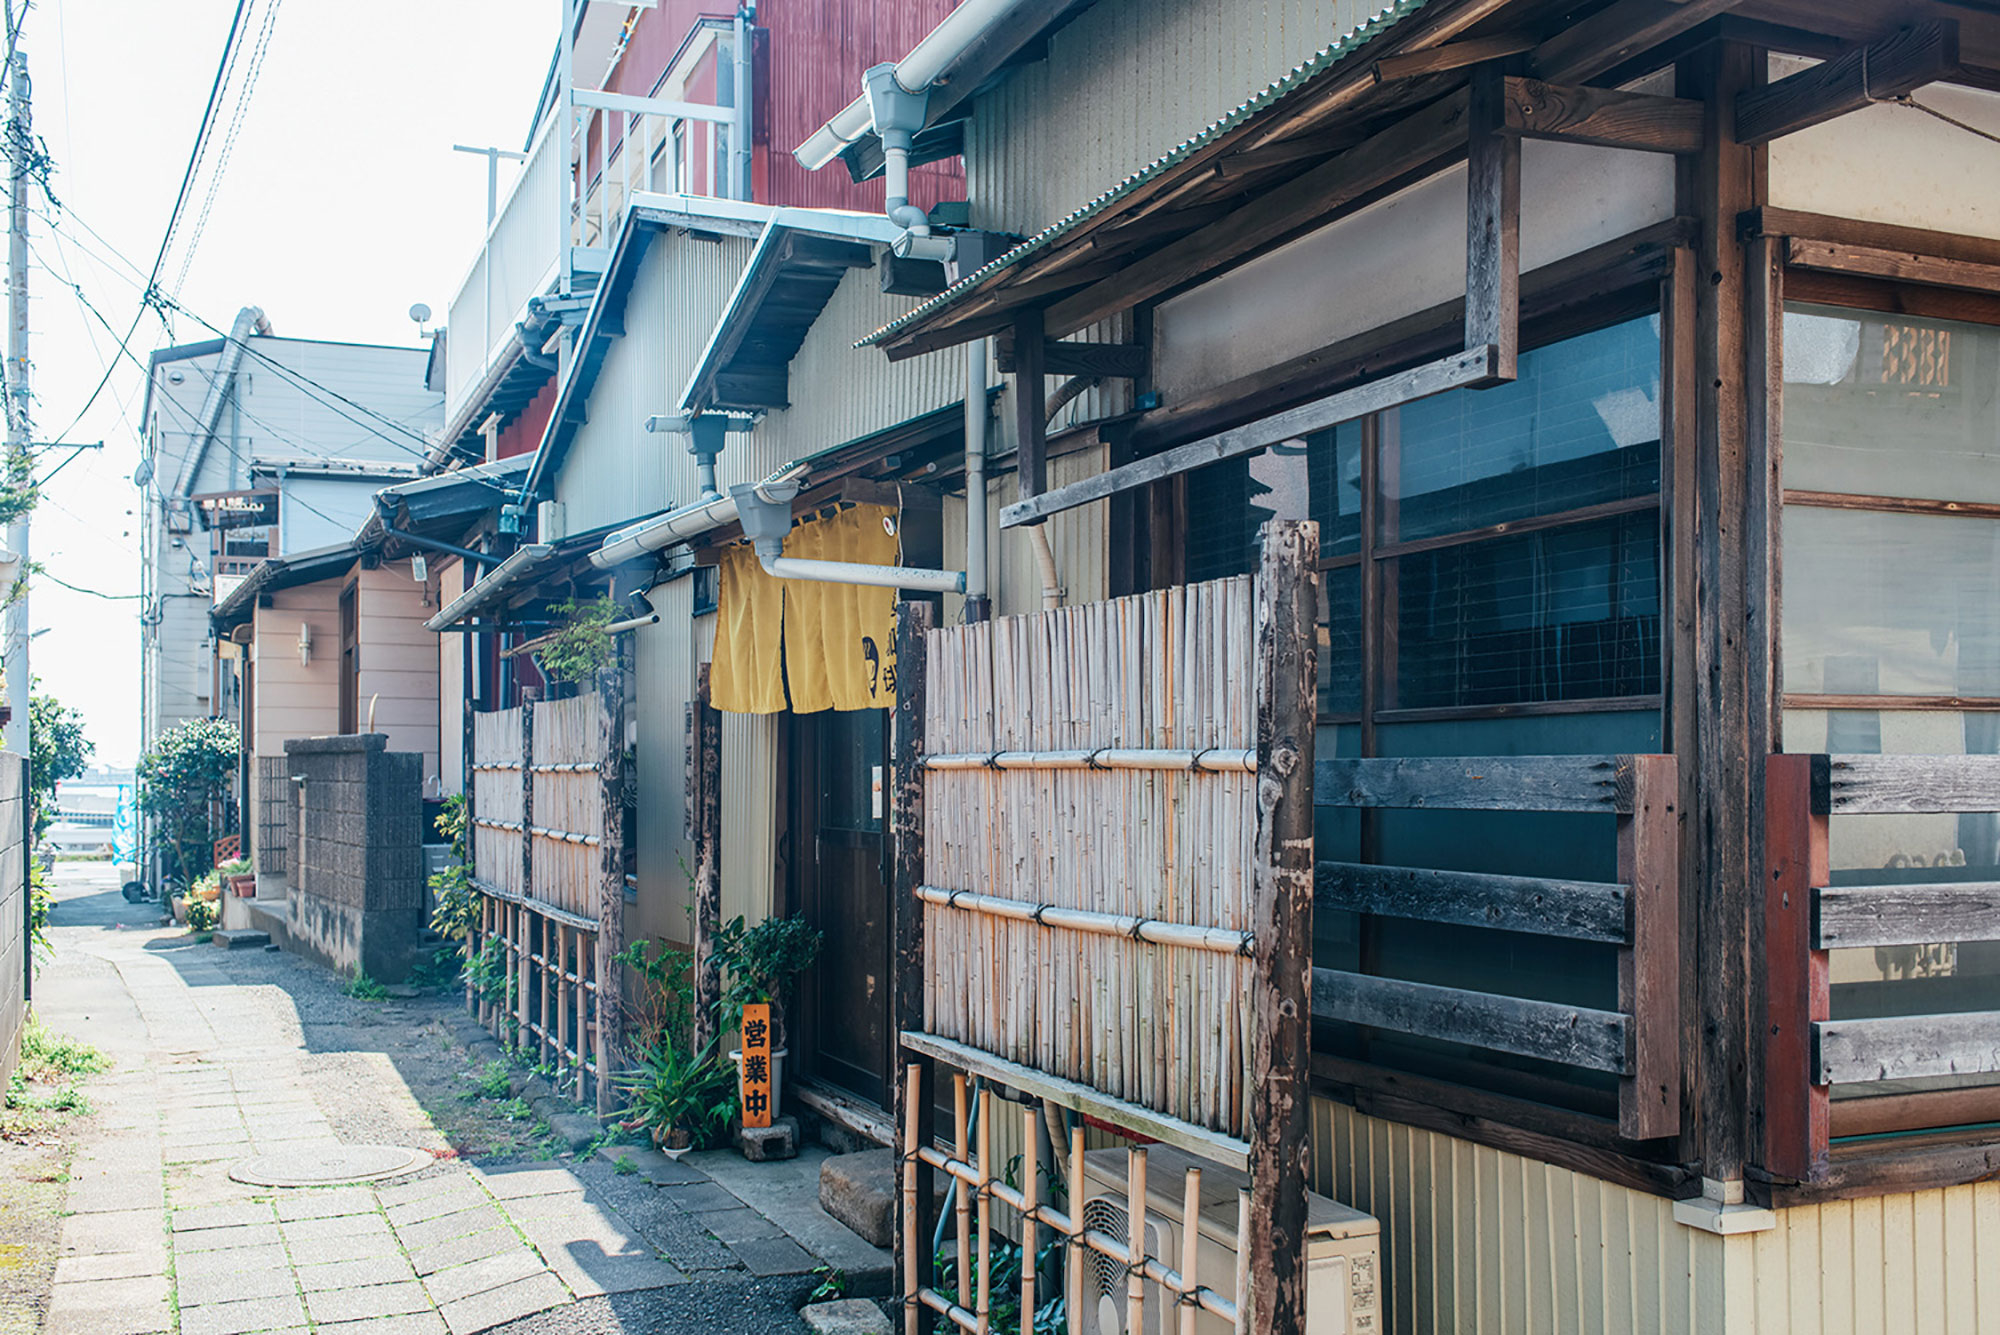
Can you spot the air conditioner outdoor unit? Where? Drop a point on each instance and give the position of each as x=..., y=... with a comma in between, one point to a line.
x=1343, y=1256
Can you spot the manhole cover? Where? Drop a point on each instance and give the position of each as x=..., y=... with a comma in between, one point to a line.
x=325, y=1168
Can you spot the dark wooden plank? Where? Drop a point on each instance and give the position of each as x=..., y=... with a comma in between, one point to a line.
x=1517, y=1105
x=1581, y=51
x=1122, y=1116
x=1453, y=372
x=1854, y=785
x=1905, y=915
x=1886, y=1114
x=1031, y=416
x=1902, y=62
x=705, y=826
x=610, y=942
x=1904, y=1047
x=1796, y=988
x=1066, y=357
x=1307, y=199
x=1287, y=641
x=1574, y=1035
x=1895, y=265
x=1731, y=646
x=1484, y=783
x=1899, y=505
x=1605, y=116
x=906, y=850
x=1874, y=1171
x=1649, y=969
x=1492, y=224
x=1452, y=56
x=1854, y=232
x=1579, y=910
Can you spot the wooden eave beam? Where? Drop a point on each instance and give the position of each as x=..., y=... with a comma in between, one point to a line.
x=1602, y=116
x=1464, y=52
x=1492, y=224
x=1612, y=36
x=1126, y=361
x=1434, y=132
x=1906, y=60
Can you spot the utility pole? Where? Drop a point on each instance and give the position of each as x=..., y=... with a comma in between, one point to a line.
x=20, y=141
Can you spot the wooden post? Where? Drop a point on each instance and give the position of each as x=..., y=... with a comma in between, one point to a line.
x=1731, y=628
x=705, y=829
x=1031, y=417
x=468, y=786
x=610, y=883
x=1796, y=993
x=1280, y=1014
x=916, y=1098
x=1492, y=223
x=1649, y=965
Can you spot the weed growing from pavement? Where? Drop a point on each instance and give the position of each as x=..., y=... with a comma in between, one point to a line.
x=623, y=1166
x=363, y=988
x=41, y=1093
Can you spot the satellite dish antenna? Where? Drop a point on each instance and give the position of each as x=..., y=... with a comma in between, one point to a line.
x=421, y=314
x=143, y=473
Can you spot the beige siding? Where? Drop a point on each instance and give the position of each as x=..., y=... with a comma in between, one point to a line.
x=1078, y=537
x=294, y=699
x=1124, y=83
x=450, y=658
x=663, y=664
x=398, y=679
x=749, y=814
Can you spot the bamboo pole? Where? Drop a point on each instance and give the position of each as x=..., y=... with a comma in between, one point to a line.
x=1190, y=1248
x=1031, y=1170
x=1135, y=1259
x=1073, y=1267
x=984, y=1168
x=912, y=1139
x=961, y=1141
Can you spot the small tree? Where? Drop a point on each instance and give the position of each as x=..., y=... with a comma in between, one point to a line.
x=57, y=750
x=581, y=648
x=181, y=782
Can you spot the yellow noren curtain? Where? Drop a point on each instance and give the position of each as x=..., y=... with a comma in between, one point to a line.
x=746, y=678
x=838, y=640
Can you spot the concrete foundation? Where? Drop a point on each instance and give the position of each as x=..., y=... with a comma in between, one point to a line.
x=355, y=859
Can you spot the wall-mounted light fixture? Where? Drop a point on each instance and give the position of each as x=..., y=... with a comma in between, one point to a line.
x=305, y=644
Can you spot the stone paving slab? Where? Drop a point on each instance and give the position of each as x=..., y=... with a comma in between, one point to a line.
x=507, y=1303
x=241, y=1318
x=463, y=1281
x=111, y=1265
x=141, y=1231
x=193, y=1288
x=533, y=1180
x=133, y=1306
x=337, y=1226
x=352, y=1247
x=323, y=1202
x=390, y=1269
x=355, y=1304
x=231, y=1261
x=449, y=1226
x=464, y=1249
x=590, y=1276
x=216, y=1239
x=416, y=1323
x=224, y=1216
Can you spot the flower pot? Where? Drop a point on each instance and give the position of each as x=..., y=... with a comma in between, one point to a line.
x=674, y=1141
x=244, y=886
x=777, y=1078
x=180, y=908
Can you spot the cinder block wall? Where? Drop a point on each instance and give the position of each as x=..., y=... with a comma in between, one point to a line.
x=15, y=949
x=356, y=879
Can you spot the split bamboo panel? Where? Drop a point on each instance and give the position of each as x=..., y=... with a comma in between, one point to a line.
x=569, y=804
x=1158, y=1024
x=496, y=799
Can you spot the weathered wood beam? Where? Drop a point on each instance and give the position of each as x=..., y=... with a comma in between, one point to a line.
x=1649, y=967
x=1031, y=415
x=1452, y=56
x=1578, y=910
x=1603, y=116
x=1905, y=1047
x=1127, y=361
x=1907, y=60
x=1483, y=783
x=1868, y=784
x=704, y=832
x=1853, y=232
x=1492, y=224
x=1905, y=915
x=610, y=942
x=1453, y=372
x=1574, y=1035
x=915, y=1108
x=1610, y=37
x=1896, y=265
x=1434, y=132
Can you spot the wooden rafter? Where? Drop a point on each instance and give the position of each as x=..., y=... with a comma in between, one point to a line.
x=1920, y=54
x=1604, y=116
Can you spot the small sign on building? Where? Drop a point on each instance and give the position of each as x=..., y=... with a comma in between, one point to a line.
x=756, y=1083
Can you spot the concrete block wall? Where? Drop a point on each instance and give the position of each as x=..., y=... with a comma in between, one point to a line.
x=356, y=874
x=16, y=952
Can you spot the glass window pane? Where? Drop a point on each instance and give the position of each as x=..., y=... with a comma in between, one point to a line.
x=1890, y=604
x=1891, y=405
x=1565, y=614
x=1335, y=459
x=1340, y=665
x=1580, y=426
x=1228, y=502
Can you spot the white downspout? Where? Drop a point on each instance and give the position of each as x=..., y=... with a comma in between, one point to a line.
x=739, y=130
x=978, y=602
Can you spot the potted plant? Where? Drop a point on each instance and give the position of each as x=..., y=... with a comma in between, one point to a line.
x=682, y=1100
x=760, y=963
x=238, y=876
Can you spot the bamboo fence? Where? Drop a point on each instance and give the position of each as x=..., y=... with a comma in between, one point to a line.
x=1090, y=824
x=569, y=804
x=496, y=799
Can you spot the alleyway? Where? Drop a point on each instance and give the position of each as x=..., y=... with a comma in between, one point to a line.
x=223, y=1057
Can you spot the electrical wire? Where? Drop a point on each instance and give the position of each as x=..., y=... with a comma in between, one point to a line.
x=42, y=572
x=236, y=119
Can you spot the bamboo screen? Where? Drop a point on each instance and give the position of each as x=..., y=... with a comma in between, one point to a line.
x=496, y=800
x=1090, y=822
x=569, y=803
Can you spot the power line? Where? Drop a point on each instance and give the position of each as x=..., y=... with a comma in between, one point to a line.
x=94, y=593
x=236, y=118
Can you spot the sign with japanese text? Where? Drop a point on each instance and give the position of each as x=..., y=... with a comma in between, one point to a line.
x=756, y=1081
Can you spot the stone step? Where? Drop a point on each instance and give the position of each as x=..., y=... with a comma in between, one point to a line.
x=242, y=940
x=860, y=1190
x=847, y=1316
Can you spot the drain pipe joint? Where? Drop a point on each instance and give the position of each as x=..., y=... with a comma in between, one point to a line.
x=898, y=114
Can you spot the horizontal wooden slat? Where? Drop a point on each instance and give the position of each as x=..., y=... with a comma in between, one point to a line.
x=1904, y=1047
x=1574, y=1035
x=1481, y=783
x=1905, y=915
x=1861, y=785
x=1209, y=760
x=541, y=906
x=1580, y=910
x=1196, y=1140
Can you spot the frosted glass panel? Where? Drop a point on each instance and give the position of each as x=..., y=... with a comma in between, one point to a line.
x=1890, y=604
x=1891, y=405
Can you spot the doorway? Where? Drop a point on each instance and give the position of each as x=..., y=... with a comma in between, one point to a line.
x=840, y=883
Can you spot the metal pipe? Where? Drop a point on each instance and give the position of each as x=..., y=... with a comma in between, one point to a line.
x=635, y=623
x=853, y=572
x=690, y=521
x=739, y=99
x=432, y=544
x=978, y=601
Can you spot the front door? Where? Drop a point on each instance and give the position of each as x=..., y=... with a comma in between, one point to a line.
x=840, y=760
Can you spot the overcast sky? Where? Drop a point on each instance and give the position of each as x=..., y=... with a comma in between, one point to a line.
x=341, y=205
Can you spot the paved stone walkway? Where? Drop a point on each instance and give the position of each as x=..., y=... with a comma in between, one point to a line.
x=217, y=1063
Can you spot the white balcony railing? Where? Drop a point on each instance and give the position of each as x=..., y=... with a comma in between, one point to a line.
x=616, y=145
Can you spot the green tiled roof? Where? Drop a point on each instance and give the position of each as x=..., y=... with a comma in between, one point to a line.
x=1356, y=38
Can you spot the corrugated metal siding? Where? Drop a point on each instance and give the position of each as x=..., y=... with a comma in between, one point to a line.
x=749, y=814
x=664, y=664
x=1122, y=84
x=1078, y=537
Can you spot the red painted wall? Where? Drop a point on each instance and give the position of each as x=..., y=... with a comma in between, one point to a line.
x=809, y=67
x=524, y=433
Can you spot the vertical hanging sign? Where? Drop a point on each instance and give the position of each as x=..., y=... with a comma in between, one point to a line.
x=756, y=1078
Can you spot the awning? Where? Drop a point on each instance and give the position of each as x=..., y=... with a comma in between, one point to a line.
x=282, y=572
x=523, y=563
x=797, y=266
x=462, y=491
